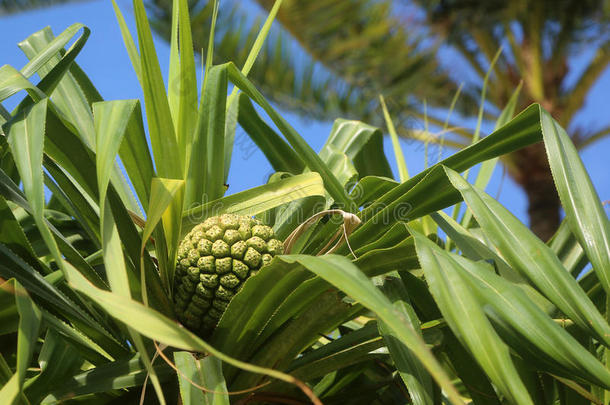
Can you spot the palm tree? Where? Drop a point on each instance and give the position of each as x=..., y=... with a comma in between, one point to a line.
x=539, y=36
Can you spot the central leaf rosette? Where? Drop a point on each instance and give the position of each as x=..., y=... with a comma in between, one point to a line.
x=214, y=260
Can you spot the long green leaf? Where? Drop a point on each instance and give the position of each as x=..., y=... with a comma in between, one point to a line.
x=341, y=273
x=232, y=102
x=258, y=199
x=111, y=122
x=473, y=248
x=173, y=93
x=130, y=45
x=363, y=144
x=187, y=89
x=13, y=81
x=116, y=375
x=413, y=374
x=206, y=178
x=135, y=155
x=29, y=324
x=72, y=201
x=66, y=149
x=568, y=249
x=506, y=115
x=52, y=49
x=584, y=211
x=370, y=188
x=340, y=164
x=403, y=172
x=207, y=373
x=313, y=161
x=53, y=78
x=432, y=193
x=67, y=97
x=211, y=368
x=466, y=319
x=160, y=123
x=279, y=153
x=26, y=138
x=189, y=374
x=531, y=332
x=380, y=260
x=523, y=251
x=163, y=192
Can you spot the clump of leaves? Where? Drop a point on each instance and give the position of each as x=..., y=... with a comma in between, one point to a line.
x=394, y=314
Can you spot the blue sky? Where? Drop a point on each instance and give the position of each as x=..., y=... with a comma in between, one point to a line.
x=106, y=62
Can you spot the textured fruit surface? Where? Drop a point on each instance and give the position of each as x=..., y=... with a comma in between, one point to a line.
x=214, y=260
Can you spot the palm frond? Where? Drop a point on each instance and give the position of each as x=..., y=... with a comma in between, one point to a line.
x=329, y=58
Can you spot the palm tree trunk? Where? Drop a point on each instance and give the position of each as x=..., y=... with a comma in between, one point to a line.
x=543, y=207
x=534, y=175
